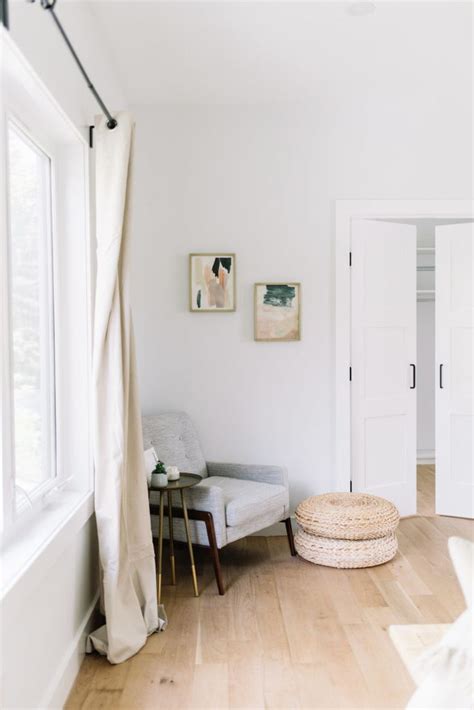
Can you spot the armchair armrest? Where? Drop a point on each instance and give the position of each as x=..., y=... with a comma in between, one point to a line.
x=206, y=497
x=276, y=475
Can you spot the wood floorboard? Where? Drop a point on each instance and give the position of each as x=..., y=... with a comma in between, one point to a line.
x=287, y=634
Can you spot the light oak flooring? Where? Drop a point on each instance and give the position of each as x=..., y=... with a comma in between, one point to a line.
x=287, y=634
x=425, y=498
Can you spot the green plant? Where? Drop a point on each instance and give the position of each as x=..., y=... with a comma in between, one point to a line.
x=160, y=467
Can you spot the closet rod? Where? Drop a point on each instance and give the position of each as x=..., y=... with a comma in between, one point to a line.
x=425, y=295
x=49, y=5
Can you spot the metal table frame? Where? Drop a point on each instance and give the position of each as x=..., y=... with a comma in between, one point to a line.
x=186, y=480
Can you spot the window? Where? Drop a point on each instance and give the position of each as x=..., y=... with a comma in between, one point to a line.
x=45, y=312
x=31, y=322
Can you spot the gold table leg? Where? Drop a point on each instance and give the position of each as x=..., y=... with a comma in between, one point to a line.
x=190, y=544
x=160, y=543
x=170, y=523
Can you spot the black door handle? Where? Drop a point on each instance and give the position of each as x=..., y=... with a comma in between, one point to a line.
x=441, y=386
x=413, y=382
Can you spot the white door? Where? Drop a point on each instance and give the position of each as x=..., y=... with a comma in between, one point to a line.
x=454, y=360
x=383, y=360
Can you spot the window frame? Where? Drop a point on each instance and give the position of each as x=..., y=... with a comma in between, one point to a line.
x=15, y=507
x=29, y=107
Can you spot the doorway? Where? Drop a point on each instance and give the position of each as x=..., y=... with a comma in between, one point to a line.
x=425, y=343
x=426, y=385
x=403, y=423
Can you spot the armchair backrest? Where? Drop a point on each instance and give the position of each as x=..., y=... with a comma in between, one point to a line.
x=174, y=438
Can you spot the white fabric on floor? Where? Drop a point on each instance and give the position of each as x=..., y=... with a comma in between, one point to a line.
x=121, y=498
x=448, y=667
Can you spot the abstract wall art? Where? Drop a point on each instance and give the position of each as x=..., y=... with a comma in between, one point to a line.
x=212, y=282
x=277, y=311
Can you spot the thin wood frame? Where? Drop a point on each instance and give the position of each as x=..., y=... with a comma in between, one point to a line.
x=276, y=283
x=216, y=254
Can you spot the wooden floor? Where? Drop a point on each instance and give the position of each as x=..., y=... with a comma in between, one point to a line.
x=287, y=634
x=426, y=490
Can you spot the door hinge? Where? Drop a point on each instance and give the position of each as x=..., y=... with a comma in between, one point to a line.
x=91, y=136
x=350, y=258
x=350, y=374
x=350, y=486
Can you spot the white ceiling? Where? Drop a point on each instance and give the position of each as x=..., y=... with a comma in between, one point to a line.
x=245, y=51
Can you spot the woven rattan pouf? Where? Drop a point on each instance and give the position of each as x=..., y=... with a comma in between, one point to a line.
x=347, y=530
x=346, y=554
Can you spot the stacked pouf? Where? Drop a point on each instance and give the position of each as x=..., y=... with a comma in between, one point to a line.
x=347, y=530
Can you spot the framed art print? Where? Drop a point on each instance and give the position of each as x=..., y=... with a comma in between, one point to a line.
x=278, y=311
x=212, y=282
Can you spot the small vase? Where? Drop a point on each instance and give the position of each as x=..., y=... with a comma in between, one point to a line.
x=159, y=480
x=172, y=472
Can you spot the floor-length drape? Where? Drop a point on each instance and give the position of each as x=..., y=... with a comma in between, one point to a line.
x=121, y=501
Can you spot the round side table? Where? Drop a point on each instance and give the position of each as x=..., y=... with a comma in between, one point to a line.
x=186, y=480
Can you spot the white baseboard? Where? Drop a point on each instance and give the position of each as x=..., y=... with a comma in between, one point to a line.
x=61, y=685
x=425, y=456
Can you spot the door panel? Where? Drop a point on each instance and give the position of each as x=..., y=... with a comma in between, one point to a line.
x=383, y=407
x=382, y=348
x=454, y=355
x=461, y=362
x=389, y=434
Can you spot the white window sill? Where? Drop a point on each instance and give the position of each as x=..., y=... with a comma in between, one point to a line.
x=25, y=557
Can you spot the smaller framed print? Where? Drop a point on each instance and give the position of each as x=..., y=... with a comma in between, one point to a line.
x=278, y=311
x=212, y=282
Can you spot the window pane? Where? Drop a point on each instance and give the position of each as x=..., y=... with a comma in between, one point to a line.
x=31, y=312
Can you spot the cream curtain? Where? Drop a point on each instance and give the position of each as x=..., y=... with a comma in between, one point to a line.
x=121, y=501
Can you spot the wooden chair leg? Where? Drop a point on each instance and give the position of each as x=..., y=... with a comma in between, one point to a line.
x=289, y=532
x=211, y=534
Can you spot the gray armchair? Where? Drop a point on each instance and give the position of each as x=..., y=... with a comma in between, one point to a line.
x=232, y=500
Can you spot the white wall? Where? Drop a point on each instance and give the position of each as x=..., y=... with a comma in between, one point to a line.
x=261, y=180
x=40, y=636
x=43, y=629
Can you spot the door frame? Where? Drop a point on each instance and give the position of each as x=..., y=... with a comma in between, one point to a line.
x=346, y=211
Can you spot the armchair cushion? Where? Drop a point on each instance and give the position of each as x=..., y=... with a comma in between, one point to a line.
x=247, y=501
x=264, y=474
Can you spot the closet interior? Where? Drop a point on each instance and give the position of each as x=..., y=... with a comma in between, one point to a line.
x=425, y=316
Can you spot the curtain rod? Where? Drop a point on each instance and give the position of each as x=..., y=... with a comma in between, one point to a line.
x=4, y=13
x=49, y=5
